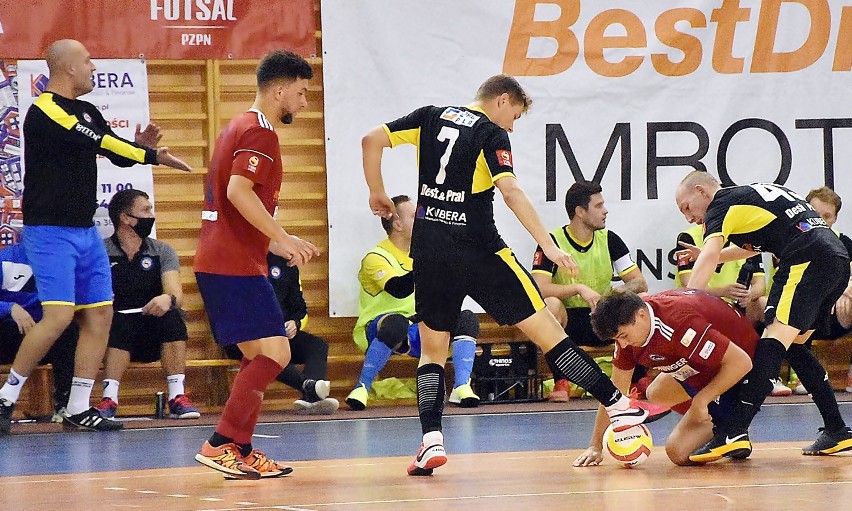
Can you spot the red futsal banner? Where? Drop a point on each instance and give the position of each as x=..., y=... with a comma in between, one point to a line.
x=160, y=29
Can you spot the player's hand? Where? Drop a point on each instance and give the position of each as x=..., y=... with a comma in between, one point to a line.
x=150, y=137
x=381, y=205
x=290, y=329
x=562, y=259
x=294, y=249
x=590, y=458
x=848, y=291
x=588, y=294
x=158, y=306
x=698, y=413
x=164, y=157
x=22, y=319
x=843, y=307
x=735, y=291
x=688, y=254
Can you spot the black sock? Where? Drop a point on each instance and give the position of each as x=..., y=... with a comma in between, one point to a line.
x=217, y=440
x=569, y=361
x=245, y=449
x=813, y=377
x=431, y=391
x=767, y=363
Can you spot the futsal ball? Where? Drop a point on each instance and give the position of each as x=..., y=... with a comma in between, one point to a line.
x=630, y=447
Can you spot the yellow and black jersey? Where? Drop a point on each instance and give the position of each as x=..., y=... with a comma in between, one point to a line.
x=761, y=217
x=62, y=138
x=461, y=154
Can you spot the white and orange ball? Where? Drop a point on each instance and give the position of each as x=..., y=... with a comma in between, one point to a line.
x=630, y=447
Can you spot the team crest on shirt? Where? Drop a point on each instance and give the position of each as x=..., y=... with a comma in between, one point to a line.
x=87, y=117
x=707, y=350
x=504, y=157
x=275, y=272
x=688, y=336
x=147, y=263
x=252, y=163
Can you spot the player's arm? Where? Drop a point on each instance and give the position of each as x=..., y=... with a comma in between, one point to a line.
x=706, y=263
x=170, y=280
x=734, y=365
x=543, y=271
x=594, y=454
x=405, y=130
x=516, y=199
x=623, y=265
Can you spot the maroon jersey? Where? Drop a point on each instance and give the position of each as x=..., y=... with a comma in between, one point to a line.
x=690, y=333
x=228, y=243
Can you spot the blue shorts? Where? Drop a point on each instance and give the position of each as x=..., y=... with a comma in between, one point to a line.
x=722, y=409
x=240, y=309
x=411, y=349
x=70, y=265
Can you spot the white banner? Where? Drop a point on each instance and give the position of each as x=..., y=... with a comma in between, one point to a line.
x=121, y=94
x=631, y=94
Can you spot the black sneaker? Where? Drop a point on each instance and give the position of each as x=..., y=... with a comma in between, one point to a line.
x=6, y=409
x=829, y=443
x=736, y=447
x=92, y=420
x=316, y=390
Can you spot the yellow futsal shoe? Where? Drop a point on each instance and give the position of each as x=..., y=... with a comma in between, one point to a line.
x=830, y=443
x=357, y=399
x=464, y=396
x=736, y=447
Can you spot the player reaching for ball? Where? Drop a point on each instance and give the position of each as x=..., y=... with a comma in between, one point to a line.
x=701, y=345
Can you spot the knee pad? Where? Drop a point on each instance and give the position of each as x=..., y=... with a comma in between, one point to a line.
x=393, y=331
x=467, y=325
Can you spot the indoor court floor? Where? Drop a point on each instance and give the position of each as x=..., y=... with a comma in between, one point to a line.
x=508, y=461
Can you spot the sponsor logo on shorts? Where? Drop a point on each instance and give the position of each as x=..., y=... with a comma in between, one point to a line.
x=684, y=373
x=275, y=272
x=147, y=263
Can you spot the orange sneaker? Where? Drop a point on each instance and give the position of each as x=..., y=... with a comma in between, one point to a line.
x=560, y=393
x=226, y=458
x=267, y=467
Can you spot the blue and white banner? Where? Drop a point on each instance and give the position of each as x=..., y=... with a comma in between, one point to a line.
x=631, y=94
x=121, y=94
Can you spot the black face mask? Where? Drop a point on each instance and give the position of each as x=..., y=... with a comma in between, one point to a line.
x=143, y=225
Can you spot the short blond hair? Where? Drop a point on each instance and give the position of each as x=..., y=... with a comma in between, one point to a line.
x=826, y=195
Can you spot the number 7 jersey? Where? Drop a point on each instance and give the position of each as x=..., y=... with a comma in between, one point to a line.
x=461, y=154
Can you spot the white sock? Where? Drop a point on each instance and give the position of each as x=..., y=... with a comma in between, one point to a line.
x=175, y=385
x=433, y=438
x=111, y=389
x=621, y=404
x=11, y=391
x=81, y=392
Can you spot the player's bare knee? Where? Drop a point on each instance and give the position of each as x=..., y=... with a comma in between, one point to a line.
x=677, y=454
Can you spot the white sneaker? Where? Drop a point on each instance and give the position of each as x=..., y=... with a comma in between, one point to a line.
x=430, y=456
x=325, y=406
x=779, y=389
x=800, y=390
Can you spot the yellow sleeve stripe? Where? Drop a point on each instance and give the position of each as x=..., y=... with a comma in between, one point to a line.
x=628, y=270
x=482, y=179
x=714, y=235
x=411, y=136
x=122, y=148
x=55, y=112
x=743, y=218
x=503, y=174
x=543, y=272
x=303, y=322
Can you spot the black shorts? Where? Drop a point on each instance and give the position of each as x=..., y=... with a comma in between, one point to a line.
x=496, y=281
x=143, y=335
x=580, y=330
x=830, y=329
x=808, y=282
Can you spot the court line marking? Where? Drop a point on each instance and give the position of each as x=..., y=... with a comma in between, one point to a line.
x=301, y=507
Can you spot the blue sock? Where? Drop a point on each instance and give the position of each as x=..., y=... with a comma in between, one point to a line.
x=464, y=349
x=374, y=360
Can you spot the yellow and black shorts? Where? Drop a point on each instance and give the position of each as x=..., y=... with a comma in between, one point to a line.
x=808, y=283
x=496, y=281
